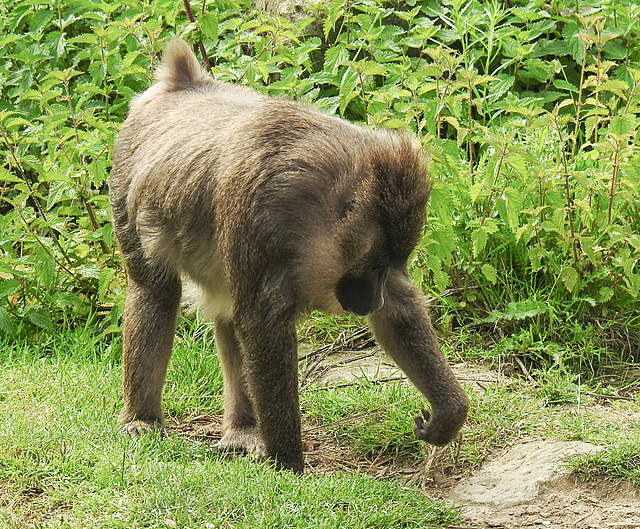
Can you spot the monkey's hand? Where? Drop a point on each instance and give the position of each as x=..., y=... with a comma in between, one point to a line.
x=429, y=429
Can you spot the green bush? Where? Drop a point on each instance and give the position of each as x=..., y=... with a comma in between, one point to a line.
x=529, y=113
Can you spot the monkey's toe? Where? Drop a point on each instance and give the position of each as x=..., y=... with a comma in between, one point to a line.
x=241, y=440
x=137, y=429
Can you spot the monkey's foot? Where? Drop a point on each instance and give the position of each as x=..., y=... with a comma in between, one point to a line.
x=137, y=429
x=241, y=440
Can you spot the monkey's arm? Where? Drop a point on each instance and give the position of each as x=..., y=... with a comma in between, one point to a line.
x=403, y=327
x=271, y=362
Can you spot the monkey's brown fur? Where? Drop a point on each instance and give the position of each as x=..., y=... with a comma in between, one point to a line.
x=272, y=209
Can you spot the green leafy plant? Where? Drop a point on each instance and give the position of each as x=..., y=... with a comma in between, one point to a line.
x=529, y=114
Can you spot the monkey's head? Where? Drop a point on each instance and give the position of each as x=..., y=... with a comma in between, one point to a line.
x=351, y=200
x=381, y=218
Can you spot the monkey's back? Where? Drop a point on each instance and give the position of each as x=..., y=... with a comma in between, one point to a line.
x=210, y=177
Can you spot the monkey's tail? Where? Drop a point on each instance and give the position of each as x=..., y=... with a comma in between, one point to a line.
x=180, y=69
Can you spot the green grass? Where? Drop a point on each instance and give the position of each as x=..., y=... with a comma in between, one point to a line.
x=64, y=464
x=619, y=461
x=387, y=425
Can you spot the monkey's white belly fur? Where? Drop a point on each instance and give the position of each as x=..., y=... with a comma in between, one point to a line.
x=212, y=303
x=204, y=286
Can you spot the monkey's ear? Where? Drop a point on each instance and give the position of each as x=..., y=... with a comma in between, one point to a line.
x=347, y=207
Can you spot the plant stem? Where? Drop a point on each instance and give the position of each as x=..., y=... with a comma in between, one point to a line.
x=579, y=103
x=16, y=208
x=614, y=181
x=567, y=188
x=493, y=187
x=192, y=19
x=469, y=143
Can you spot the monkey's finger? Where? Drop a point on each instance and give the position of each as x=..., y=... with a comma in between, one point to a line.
x=420, y=429
x=420, y=421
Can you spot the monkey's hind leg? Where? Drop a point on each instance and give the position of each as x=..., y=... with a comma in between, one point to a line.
x=150, y=314
x=239, y=425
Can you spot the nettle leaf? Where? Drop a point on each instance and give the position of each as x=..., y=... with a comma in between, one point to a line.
x=8, y=176
x=85, y=38
x=587, y=246
x=490, y=273
x=518, y=163
x=519, y=310
x=8, y=287
x=16, y=123
x=559, y=217
x=617, y=86
x=40, y=19
x=514, y=202
x=525, y=231
x=39, y=317
x=477, y=189
x=104, y=282
x=132, y=69
x=633, y=284
x=69, y=300
x=209, y=25
x=540, y=70
x=479, y=240
x=91, y=270
x=615, y=50
x=500, y=86
x=538, y=257
x=440, y=277
x=554, y=47
x=56, y=43
x=445, y=242
x=46, y=271
x=575, y=46
x=569, y=277
x=332, y=15
x=490, y=225
x=565, y=86
x=623, y=125
x=6, y=323
x=440, y=204
x=605, y=294
x=367, y=68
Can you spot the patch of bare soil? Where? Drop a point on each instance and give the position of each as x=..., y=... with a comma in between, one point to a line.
x=565, y=504
x=528, y=486
x=531, y=487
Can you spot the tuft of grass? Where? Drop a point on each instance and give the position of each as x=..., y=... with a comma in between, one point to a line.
x=319, y=328
x=617, y=461
x=194, y=377
x=387, y=410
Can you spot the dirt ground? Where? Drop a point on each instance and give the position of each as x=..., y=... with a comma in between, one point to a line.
x=565, y=504
x=556, y=501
